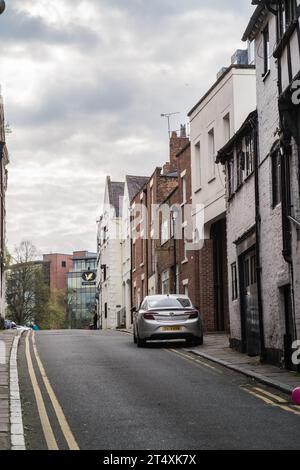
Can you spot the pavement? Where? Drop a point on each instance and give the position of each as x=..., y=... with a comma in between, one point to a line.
x=114, y=396
x=7, y=339
x=216, y=349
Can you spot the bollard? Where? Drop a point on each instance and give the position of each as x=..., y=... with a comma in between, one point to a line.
x=296, y=396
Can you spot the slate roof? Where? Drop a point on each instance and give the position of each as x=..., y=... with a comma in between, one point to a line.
x=135, y=184
x=116, y=194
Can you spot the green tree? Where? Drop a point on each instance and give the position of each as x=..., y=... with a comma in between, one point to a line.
x=27, y=286
x=55, y=317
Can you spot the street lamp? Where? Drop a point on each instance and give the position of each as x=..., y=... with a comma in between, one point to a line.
x=2, y=6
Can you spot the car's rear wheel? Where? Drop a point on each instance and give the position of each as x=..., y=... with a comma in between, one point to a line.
x=198, y=341
x=141, y=343
x=195, y=341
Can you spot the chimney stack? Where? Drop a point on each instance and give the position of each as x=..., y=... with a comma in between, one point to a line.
x=177, y=143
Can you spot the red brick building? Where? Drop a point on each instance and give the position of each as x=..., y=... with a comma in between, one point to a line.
x=60, y=265
x=160, y=261
x=178, y=264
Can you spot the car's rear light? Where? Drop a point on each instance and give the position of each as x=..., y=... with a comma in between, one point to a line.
x=149, y=316
x=194, y=315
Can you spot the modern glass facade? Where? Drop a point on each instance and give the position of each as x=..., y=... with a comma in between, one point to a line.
x=82, y=291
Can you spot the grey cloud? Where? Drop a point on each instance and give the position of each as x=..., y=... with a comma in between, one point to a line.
x=24, y=28
x=98, y=111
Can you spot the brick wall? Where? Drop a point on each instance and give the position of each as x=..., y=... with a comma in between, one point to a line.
x=206, y=285
x=58, y=272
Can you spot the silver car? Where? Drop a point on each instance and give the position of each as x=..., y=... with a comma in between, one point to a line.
x=165, y=317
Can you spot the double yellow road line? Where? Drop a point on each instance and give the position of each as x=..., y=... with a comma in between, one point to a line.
x=272, y=399
x=197, y=362
x=44, y=418
x=267, y=397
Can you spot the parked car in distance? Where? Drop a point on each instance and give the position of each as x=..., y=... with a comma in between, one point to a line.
x=166, y=317
x=23, y=328
x=9, y=325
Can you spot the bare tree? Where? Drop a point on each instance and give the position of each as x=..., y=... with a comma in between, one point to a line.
x=27, y=291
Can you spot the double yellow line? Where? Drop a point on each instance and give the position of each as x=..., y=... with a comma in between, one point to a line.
x=267, y=397
x=271, y=399
x=196, y=362
x=44, y=418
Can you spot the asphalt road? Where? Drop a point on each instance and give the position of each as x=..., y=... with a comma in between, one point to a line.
x=117, y=397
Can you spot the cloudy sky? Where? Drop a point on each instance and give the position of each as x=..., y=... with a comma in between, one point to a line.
x=84, y=84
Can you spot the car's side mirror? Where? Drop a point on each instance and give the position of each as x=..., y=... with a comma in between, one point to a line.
x=133, y=310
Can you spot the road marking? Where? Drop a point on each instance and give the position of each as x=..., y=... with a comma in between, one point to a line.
x=271, y=403
x=45, y=422
x=66, y=430
x=271, y=395
x=197, y=362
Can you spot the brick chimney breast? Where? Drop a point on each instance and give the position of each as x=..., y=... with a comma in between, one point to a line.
x=176, y=145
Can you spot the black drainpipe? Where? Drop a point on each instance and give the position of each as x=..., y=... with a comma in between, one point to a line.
x=286, y=150
x=257, y=228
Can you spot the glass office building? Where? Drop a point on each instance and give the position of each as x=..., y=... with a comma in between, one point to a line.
x=81, y=281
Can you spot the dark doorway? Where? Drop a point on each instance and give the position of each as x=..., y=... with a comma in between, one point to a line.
x=218, y=235
x=249, y=304
x=289, y=336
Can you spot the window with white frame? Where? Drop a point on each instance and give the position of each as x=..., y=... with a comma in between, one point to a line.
x=142, y=249
x=134, y=255
x=212, y=153
x=165, y=282
x=152, y=212
x=186, y=290
x=177, y=279
x=276, y=177
x=234, y=281
x=165, y=231
x=249, y=150
x=240, y=165
x=184, y=189
x=198, y=165
x=266, y=50
x=185, y=251
x=226, y=127
x=230, y=176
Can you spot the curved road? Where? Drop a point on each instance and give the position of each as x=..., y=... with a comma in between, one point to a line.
x=117, y=397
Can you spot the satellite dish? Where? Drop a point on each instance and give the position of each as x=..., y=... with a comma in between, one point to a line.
x=2, y=6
